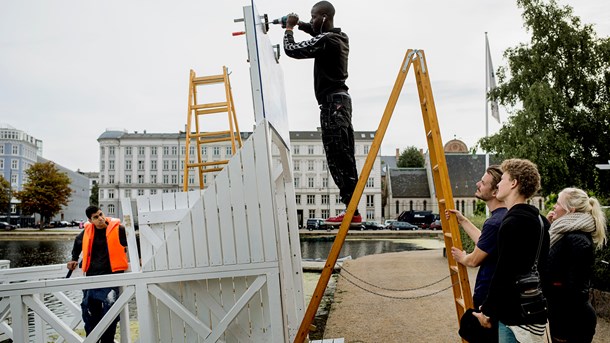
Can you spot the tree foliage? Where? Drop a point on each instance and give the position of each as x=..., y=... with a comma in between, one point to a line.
x=5, y=194
x=557, y=87
x=45, y=192
x=95, y=193
x=411, y=157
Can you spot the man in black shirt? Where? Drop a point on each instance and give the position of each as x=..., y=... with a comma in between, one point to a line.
x=329, y=48
x=102, y=243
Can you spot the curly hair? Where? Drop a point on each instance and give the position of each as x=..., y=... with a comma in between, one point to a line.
x=526, y=174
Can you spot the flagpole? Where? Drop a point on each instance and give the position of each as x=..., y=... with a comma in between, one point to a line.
x=486, y=107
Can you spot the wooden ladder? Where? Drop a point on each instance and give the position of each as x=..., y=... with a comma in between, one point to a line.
x=442, y=186
x=195, y=110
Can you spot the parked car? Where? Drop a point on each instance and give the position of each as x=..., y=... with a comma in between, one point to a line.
x=436, y=225
x=316, y=224
x=371, y=225
x=7, y=227
x=387, y=223
x=402, y=226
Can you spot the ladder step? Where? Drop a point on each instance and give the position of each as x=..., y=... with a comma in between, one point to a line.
x=210, y=170
x=435, y=168
x=429, y=134
x=210, y=105
x=205, y=164
x=448, y=235
x=441, y=201
x=454, y=268
x=210, y=134
x=212, y=110
x=214, y=140
x=204, y=80
x=460, y=301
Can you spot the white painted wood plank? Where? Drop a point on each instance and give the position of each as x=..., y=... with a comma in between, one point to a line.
x=256, y=315
x=251, y=201
x=57, y=324
x=173, y=290
x=132, y=244
x=279, y=331
x=159, y=253
x=212, y=225
x=227, y=301
x=165, y=216
x=234, y=169
x=243, y=318
x=147, y=314
x=215, y=298
x=40, y=328
x=146, y=248
x=225, y=215
x=203, y=311
x=172, y=237
x=265, y=191
x=189, y=301
x=200, y=239
x=19, y=324
x=185, y=232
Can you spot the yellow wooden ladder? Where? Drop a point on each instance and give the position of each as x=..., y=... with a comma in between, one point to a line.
x=195, y=111
x=442, y=185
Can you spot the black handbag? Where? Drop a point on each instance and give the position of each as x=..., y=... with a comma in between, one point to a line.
x=533, y=302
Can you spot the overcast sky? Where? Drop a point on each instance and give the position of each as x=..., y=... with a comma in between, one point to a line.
x=69, y=70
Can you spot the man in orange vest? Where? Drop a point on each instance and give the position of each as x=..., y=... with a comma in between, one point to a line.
x=102, y=243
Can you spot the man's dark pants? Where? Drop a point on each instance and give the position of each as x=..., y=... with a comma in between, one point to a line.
x=338, y=139
x=95, y=304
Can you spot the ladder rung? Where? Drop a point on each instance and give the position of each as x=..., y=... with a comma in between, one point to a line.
x=454, y=268
x=205, y=164
x=441, y=201
x=435, y=168
x=204, y=80
x=210, y=105
x=210, y=134
x=214, y=140
x=212, y=110
x=448, y=235
x=429, y=134
x=460, y=302
x=210, y=170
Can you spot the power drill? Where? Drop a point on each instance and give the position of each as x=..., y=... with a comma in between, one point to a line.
x=281, y=21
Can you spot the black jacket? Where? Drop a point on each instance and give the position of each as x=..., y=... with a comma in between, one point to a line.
x=330, y=51
x=517, y=245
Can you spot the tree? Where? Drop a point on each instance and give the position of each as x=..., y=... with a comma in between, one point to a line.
x=558, y=89
x=45, y=192
x=95, y=193
x=411, y=157
x=5, y=194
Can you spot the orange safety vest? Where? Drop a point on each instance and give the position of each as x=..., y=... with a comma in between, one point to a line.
x=116, y=252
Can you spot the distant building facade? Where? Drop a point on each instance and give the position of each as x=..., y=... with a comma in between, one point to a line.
x=135, y=164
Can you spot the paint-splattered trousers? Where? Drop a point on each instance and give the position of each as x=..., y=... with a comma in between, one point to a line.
x=338, y=139
x=95, y=304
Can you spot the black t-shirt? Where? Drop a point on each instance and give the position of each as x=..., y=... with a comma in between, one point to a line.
x=100, y=259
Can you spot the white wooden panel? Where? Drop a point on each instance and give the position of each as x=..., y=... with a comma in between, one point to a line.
x=251, y=201
x=256, y=315
x=225, y=215
x=40, y=328
x=57, y=324
x=165, y=216
x=235, y=172
x=189, y=301
x=185, y=232
x=228, y=300
x=279, y=331
x=173, y=289
x=215, y=295
x=200, y=239
x=172, y=237
x=147, y=314
x=212, y=225
x=243, y=320
x=160, y=253
x=132, y=244
x=146, y=248
x=263, y=167
x=203, y=311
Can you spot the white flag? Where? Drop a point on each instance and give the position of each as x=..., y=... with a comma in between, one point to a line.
x=491, y=82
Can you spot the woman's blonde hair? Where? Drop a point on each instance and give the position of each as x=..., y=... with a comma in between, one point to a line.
x=577, y=200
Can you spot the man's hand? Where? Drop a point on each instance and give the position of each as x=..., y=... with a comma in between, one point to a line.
x=458, y=215
x=292, y=21
x=458, y=255
x=551, y=216
x=483, y=319
x=72, y=265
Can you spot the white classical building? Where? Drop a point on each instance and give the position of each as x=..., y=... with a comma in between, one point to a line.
x=141, y=163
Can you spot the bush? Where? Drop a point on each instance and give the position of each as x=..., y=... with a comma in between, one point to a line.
x=601, y=268
x=467, y=243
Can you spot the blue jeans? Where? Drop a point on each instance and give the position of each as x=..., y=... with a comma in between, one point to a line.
x=505, y=335
x=95, y=304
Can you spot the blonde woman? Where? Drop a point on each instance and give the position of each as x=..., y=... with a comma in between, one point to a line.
x=578, y=227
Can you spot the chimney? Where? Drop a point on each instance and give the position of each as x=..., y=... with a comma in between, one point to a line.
x=397, y=154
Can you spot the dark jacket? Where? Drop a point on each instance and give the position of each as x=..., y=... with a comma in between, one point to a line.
x=517, y=246
x=330, y=51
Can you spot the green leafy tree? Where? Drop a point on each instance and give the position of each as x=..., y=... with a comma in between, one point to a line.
x=46, y=191
x=94, y=197
x=411, y=157
x=557, y=87
x=5, y=194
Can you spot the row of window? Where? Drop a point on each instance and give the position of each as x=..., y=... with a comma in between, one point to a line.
x=325, y=213
x=167, y=150
x=326, y=198
x=166, y=179
x=311, y=182
x=311, y=150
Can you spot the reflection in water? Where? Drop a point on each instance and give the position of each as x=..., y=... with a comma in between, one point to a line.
x=319, y=247
x=27, y=253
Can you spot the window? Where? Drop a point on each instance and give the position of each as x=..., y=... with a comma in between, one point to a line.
x=165, y=165
x=297, y=199
x=229, y=151
x=310, y=165
x=111, y=179
x=140, y=192
x=166, y=179
x=14, y=164
x=15, y=149
x=311, y=199
x=324, y=199
x=128, y=178
x=174, y=150
x=324, y=182
x=312, y=213
x=324, y=165
x=174, y=179
x=1, y=164
x=325, y=213
x=174, y=165
x=297, y=165
x=153, y=178
x=111, y=194
x=127, y=165
x=370, y=200
x=297, y=182
x=153, y=165
x=338, y=212
x=425, y=203
x=2, y=150
x=310, y=182
x=216, y=151
x=165, y=150
x=127, y=151
x=14, y=180
x=111, y=165
x=370, y=182
x=102, y=166
x=370, y=214
x=140, y=178
x=296, y=150
x=153, y=191
x=204, y=150
x=310, y=149
x=141, y=151
x=153, y=151
x=183, y=150
x=111, y=209
x=140, y=165
x=397, y=207
x=338, y=200
x=128, y=193
x=111, y=151
x=366, y=149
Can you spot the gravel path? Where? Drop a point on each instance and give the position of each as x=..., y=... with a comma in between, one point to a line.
x=361, y=316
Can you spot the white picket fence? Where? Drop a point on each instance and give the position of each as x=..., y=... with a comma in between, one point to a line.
x=219, y=265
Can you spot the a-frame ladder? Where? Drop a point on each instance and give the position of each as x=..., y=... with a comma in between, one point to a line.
x=197, y=110
x=442, y=185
